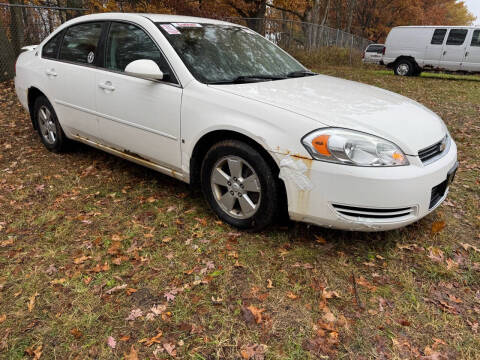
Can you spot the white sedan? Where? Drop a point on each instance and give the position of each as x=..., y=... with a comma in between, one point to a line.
x=215, y=104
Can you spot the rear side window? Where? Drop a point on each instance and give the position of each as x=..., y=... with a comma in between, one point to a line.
x=438, y=36
x=476, y=38
x=80, y=43
x=50, y=49
x=457, y=36
x=375, y=49
x=127, y=43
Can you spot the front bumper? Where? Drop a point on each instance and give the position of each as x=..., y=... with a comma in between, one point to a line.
x=363, y=198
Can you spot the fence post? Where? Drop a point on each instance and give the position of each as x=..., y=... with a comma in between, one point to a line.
x=351, y=51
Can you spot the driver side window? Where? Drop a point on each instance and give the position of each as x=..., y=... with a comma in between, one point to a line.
x=127, y=43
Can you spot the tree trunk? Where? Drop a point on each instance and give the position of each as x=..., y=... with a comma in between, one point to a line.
x=16, y=28
x=352, y=4
x=7, y=56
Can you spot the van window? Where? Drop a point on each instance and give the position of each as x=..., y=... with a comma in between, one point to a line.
x=375, y=49
x=476, y=38
x=438, y=36
x=457, y=36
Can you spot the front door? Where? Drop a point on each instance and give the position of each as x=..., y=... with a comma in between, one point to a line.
x=454, y=50
x=136, y=116
x=472, y=55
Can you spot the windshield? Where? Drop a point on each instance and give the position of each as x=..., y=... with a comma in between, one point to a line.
x=229, y=54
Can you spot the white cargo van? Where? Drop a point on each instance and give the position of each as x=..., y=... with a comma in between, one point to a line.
x=413, y=49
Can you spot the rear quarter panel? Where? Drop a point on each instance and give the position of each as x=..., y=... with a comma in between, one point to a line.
x=404, y=41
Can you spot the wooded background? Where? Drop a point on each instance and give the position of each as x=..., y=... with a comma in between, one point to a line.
x=308, y=24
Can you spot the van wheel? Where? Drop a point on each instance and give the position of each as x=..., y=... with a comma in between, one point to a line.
x=404, y=67
x=240, y=185
x=49, y=129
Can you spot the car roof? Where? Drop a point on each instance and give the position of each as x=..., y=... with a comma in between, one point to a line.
x=438, y=27
x=154, y=17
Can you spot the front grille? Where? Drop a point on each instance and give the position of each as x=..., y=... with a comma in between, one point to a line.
x=432, y=151
x=437, y=193
x=373, y=213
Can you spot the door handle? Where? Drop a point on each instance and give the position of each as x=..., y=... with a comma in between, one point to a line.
x=466, y=54
x=444, y=53
x=51, y=72
x=107, y=85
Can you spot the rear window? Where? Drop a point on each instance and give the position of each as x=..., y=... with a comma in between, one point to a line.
x=375, y=49
x=438, y=36
x=50, y=49
x=80, y=43
x=457, y=36
x=476, y=38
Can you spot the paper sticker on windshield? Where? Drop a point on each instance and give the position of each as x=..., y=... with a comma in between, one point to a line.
x=170, y=29
x=187, y=25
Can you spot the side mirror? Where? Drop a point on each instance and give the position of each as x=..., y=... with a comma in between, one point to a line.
x=145, y=69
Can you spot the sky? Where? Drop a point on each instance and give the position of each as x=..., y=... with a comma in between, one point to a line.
x=474, y=7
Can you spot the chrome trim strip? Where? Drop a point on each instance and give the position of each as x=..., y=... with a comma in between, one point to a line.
x=137, y=160
x=108, y=117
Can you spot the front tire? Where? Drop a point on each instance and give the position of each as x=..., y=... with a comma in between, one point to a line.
x=49, y=129
x=404, y=67
x=240, y=185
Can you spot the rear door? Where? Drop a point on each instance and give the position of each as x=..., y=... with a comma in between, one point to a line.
x=137, y=116
x=454, y=49
x=472, y=54
x=434, y=49
x=75, y=69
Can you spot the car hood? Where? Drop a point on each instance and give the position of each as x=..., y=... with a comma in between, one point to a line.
x=335, y=102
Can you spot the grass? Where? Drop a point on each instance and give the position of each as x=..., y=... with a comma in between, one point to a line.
x=74, y=226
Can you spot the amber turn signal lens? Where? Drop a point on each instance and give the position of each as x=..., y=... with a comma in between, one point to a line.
x=397, y=156
x=320, y=144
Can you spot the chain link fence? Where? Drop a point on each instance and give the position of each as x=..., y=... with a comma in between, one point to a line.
x=22, y=25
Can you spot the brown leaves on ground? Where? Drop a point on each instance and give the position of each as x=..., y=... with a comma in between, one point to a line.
x=438, y=226
x=132, y=355
x=253, y=352
x=252, y=314
x=31, y=302
x=153, y=340
x=34, y=351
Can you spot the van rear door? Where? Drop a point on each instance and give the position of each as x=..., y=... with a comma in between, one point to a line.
x=454, y=49
x=472, y=54
x=434, y=50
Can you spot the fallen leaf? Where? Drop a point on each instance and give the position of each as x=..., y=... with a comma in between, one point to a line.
x=153, y=340
x=257, y=313
x=253, y=352
x=170, y=349
x=135, y=313
x=35, y=352
x=116, y=289
x=291, y=295
x=111, y=342
x=130, y=291
x=166, y=239
x=125, y=338
x=6, y=243
x=438, y=226
x=436, y=254
x=468, y=246
x=3, y=317
x=133, y=355
x=81, y=259
x=31, y=303
x=269, y=284
x=77, y=334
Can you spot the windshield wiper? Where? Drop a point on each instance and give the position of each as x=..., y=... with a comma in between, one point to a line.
x=300, y=73
x=248, y=79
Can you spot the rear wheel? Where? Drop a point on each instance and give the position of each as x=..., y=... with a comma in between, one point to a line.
x=240, y=185
x=49, y=129
x=404, y=67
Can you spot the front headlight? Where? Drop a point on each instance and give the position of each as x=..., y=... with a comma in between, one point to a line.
x=351, y=147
